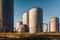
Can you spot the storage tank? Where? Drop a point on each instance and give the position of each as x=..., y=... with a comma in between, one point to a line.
x=54, y=24
x=35, y=20
x=26, y=18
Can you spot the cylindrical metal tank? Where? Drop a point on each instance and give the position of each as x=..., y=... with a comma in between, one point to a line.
x=26, y=18
x=35, y=20
x=54, y=24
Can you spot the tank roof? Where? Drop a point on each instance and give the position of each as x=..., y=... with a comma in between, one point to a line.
x=25, y=13
x=37, y=8
x=54, y=17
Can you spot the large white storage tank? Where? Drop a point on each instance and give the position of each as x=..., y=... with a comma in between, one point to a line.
x=54, y=24
x=26, y=18
x=35, y=20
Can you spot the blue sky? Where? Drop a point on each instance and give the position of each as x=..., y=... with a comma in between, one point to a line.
x=51, y=8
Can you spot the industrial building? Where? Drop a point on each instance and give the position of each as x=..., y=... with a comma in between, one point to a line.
x=6, y=16
x=19, y=23
x=54, y=24
x=22, y=28
x=35, y=20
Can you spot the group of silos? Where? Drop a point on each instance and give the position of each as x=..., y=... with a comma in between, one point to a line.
x=33, y=22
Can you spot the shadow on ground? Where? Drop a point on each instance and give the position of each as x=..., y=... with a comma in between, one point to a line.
x=28, y=38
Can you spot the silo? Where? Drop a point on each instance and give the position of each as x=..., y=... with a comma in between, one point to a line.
x=26, y=21
x=54, y=24
x=26, y=18
x=35, y=20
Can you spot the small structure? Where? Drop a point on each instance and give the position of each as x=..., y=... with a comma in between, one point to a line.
x=20, y=27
